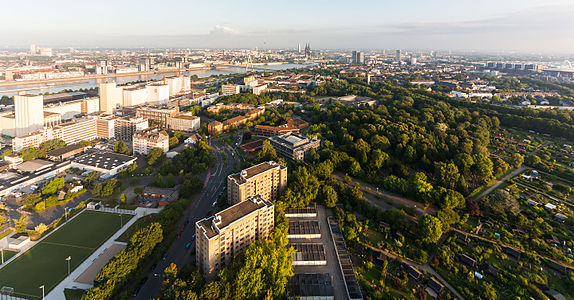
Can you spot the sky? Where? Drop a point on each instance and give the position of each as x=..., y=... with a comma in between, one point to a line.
x=486, y=25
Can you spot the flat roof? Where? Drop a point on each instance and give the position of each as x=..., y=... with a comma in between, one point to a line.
x=308, y=252
x=245, y=174
x=104, y=159
x=64, y=150
x=300, y=210
x=311, y=285
x=304, y=227
x=33, y=165
x=222, y=219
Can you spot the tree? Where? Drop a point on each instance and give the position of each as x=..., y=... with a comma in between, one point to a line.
x=431, y=229
x=109, y=187
x=267, y=152
x=173, y=141
x=154, y=156
x=447, y=217
x=502, y=203
x=53, y=186
x=97, y=190
x=329, y=196
x=121, y=148
x=190, y=186
x=516, y=159
x=302, y=189
x=483, y=166
x=123, y=198
x=21, y=224
x=41, y=228
x=91, y=177
x=31, y=199
x=447, y=174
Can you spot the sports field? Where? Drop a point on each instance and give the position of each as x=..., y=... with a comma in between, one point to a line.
x=45, y=263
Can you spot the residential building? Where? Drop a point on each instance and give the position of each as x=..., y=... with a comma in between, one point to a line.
x=267, y=179
x=106, y=126
x=229, y=232
x=126, y=127
x=145, y=140
x=292, y=125
x=184, y=122
x=111, y=97
x=29, y=113
x=230, y=89
x=293, y=146
x=159, y=114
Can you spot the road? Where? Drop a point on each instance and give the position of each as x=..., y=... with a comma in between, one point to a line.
x=501, y=181
x=201, y=207
x=370, y=192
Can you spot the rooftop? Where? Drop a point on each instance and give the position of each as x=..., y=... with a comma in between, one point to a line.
x=33, y=165
x=224, y=218
x=304, y=227
x=104, y=160
x=311, y=285
x=246, y=174
x=64, y=150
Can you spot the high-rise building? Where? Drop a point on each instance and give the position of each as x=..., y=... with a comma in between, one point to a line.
x=102, y=67
x=33, y=49
x=398, y=56
x=358, y=58
x=299, y=48
x=111, y=97
x=267, y=179
x=226, y=234
x=124, y=128
x=307, y=50
x=29, y=113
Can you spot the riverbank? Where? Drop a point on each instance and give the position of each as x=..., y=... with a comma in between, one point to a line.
x=93, y=76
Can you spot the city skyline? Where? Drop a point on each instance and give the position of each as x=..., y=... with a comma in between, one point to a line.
x=524, y=26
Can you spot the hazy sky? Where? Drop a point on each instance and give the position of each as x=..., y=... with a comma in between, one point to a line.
x=519, y=25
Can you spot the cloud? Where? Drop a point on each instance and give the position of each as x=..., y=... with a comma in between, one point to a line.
x=223, y=30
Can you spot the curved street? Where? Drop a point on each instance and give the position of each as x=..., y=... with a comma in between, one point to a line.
x=202, y=206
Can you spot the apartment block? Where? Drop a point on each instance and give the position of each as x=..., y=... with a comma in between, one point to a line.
x=159, y=114
x=229, y=232
x=267, y=179
x=145, y=140
x=184, y=122
x=125, y=128
x=230, y=89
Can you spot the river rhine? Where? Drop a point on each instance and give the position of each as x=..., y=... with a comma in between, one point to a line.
x=90, y=83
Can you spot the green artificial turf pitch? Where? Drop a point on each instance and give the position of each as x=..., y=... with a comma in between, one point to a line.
x=45, y=263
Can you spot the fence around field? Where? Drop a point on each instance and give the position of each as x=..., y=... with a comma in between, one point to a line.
x=114, y=210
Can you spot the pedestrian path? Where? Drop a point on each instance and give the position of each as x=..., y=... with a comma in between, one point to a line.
x=68, y=283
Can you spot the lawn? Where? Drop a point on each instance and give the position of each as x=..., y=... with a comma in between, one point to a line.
x=45, y=263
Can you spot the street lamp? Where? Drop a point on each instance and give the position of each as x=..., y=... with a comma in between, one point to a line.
x=66, y=213
x=42, y=287
x=2, y=255
x=69, y=258
x=121, y=221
